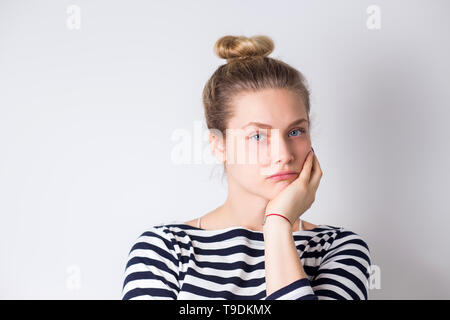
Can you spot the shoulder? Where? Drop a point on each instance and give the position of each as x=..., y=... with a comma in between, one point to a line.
x=166, y=235
x=339, y=243
x=157, y=238
x=156, y=231
x=349, y=237
x=347, y=244
x=345, y=267
x=192, y=223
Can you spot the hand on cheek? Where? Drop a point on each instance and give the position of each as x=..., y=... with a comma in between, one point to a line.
x=299, y=195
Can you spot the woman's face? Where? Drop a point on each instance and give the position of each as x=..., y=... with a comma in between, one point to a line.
x=256, y=151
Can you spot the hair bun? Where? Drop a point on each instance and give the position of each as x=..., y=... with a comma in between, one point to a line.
x=238, y=47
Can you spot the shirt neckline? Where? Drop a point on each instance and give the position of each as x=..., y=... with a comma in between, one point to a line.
x=198, y=227
x=188, y=227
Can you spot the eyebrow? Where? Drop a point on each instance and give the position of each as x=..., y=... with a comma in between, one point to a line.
x=265, y=125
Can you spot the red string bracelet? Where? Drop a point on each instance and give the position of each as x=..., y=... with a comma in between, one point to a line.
x=275, y=214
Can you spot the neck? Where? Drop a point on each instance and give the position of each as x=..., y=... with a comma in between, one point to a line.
x=243, y=208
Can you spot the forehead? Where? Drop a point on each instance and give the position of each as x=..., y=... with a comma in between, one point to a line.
x=277, y=107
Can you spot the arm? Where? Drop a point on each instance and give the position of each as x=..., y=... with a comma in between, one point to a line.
x=152, y=268
x=282, y=262
x=285, y=275
x=343, y=273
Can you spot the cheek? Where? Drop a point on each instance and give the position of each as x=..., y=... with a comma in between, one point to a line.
x=259, y=154
x=245, y=173
x=264, y=155
x=250, y=176
x=245, y=152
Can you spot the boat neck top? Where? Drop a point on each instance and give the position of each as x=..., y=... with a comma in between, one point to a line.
x=176, y=261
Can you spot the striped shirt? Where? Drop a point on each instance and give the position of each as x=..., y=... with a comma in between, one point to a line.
x=176, y=261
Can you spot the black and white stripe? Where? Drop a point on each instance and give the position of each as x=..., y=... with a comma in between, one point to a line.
x=178, y=261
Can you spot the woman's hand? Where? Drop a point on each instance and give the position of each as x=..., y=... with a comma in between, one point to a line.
x=299, y=195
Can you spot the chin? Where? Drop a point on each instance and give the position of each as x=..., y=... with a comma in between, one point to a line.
x=280, y=185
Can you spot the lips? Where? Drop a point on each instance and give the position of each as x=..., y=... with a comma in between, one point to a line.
x=283, y=175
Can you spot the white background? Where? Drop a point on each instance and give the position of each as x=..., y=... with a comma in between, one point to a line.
x=87, y=115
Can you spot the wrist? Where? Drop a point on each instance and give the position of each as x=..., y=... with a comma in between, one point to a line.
x=276, y=222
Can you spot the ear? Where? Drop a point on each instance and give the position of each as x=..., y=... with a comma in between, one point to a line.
x=217, y=144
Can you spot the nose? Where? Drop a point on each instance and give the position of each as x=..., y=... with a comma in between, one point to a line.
x=281, y=152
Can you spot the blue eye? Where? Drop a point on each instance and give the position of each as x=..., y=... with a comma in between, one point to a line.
x=258, y=134
x=301, y=130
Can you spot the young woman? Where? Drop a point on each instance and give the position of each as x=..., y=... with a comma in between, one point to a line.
x=253, y=246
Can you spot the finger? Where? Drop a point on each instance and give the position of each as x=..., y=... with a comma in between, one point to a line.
x=316, y=174
x=307, y=166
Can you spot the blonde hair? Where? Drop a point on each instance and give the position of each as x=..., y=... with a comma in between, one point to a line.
x=248, y=69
